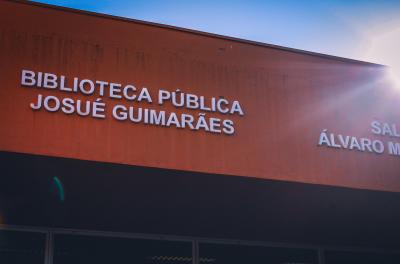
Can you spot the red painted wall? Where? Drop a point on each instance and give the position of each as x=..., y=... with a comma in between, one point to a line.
x=288, y=98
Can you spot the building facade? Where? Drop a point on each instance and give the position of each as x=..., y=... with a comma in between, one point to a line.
x=125, y=141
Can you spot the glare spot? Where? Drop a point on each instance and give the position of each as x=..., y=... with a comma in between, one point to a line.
x=394, y=77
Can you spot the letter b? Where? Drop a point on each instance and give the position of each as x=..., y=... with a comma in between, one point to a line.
x=28, y=78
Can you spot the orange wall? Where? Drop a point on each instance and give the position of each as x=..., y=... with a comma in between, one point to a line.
x=287, y=97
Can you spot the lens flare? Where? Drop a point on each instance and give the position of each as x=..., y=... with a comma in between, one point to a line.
x=60, y=188
x=384, y=49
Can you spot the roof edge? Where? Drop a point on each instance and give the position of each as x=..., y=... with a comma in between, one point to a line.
x=197, y=32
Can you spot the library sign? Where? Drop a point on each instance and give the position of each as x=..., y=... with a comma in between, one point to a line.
x=134, y=97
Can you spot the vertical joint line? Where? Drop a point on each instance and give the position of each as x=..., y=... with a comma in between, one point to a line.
x=49, y=248
x=321, y=256
x=195, y=252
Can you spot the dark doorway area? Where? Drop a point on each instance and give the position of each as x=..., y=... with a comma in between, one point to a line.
x=121, y=198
